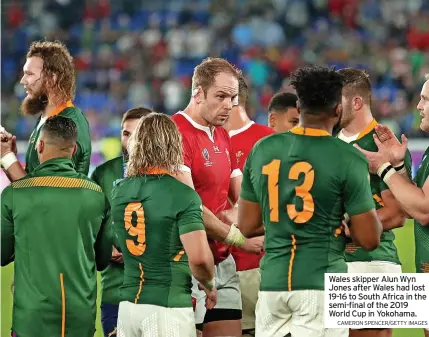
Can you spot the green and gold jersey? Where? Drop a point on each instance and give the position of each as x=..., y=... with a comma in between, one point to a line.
x=421, y=233
x=53, y=226
x=82, y=157
x=150, y=212
x=107, y=175
x=304, y=180
x=386, y=251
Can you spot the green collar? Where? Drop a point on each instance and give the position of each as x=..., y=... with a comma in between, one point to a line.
x=56, y=165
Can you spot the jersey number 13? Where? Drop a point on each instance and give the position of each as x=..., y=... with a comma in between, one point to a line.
x=302, y=191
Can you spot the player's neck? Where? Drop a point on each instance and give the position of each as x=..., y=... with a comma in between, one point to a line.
x=359, y=123
x=195, y=116
x=237, y=120
x=316, y=123
x=52, y=107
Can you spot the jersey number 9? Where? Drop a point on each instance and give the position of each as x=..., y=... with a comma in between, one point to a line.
x=302, y=191
x=139, y=230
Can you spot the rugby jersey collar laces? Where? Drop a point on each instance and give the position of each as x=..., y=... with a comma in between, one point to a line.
x=59, y=164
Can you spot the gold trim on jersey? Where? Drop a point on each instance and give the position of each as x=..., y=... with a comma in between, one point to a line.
x=299, y=130
x=378, y=200
x=371, y=126
x=56, y=181
x=179, y=256
x=63, y=306
x=57, y=111
x=141, y=284
x=292, y=257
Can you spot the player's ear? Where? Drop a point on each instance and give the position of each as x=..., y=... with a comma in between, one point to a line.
x=196, y=94
x=74, y=149
x=357, y=102
x=40, y=146
x=272, y=120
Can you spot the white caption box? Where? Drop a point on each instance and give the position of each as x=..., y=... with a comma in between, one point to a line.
x=376, y=301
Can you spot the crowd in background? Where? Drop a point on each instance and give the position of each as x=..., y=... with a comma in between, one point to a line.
x=142, y=52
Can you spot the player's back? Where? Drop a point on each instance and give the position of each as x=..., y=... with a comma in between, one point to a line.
x=300, y=178
x=146, y=211
x=57, y=219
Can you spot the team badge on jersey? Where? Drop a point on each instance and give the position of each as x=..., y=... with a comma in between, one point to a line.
x=206, y=154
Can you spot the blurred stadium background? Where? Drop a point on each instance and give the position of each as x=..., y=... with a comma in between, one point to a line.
x=142, y=53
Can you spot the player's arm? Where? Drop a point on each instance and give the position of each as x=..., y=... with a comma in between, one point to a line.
x=230, y=215
x=391, y=214
x=414, y=200
x=15, y=171
x=7, y=237
x=103, y=243
x=365, y=227
x=249, y=210
x=194, y=240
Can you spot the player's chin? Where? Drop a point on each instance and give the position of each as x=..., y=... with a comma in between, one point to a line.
x=220, y=121
x=424, y=124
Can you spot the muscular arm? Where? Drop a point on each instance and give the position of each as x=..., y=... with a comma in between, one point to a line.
x=215, y=228
x=391, y=215
x=414, y=200
x=199, y=254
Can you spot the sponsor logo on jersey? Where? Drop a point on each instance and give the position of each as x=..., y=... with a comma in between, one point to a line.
x=216, y=149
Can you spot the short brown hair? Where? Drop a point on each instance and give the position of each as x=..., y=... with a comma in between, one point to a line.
x=205, y=73
x=156, y=143
x=356, y=82
x=56, y=61
x=135, y=113
x=243, y=90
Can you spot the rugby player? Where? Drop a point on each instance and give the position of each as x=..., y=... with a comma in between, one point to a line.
x=208, y=169
x=413, y=198
x=297, y=185
x=358, y=127
x=49, y=78
x=282, y=112
x=244, y=134
x=54, y=226
x=107, y=175
x=159, y=224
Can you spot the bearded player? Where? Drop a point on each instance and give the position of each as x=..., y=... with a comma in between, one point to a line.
x=413, y=198
x=49, y=79
x=359, y=127
x=244, y=134
x=107, y=175
x=296, y=186
x=209, y=169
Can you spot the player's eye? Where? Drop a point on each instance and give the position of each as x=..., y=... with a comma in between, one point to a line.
x=221, y=97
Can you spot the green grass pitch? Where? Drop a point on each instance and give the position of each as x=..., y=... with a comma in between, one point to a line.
x=404, y=241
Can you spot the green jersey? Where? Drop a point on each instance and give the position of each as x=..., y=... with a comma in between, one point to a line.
x=304, y=180
x=82, y=157
x=149, y=213
x=421, y=233
x=107, y=176
x=386, y=251
x=53, y=228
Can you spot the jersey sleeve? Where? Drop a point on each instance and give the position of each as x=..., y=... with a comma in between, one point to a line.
x=7, y=237
x=357, y=190
x=188, y=154
x=104, y=241
x=247, y=189
x=235, y=169
x=191, y=218
x=81, y=159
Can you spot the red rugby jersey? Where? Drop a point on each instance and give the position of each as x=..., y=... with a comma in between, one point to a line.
x=243, y=141
x=207, y=157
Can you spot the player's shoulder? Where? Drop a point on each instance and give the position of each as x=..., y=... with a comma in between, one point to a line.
x=261, y=130
x=181, y=121
x=89, y=184
x=347, y=151
x=108, y=165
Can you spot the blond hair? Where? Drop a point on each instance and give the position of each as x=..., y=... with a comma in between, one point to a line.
x=205, y=73
x=156, y=143
x=56, y=61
